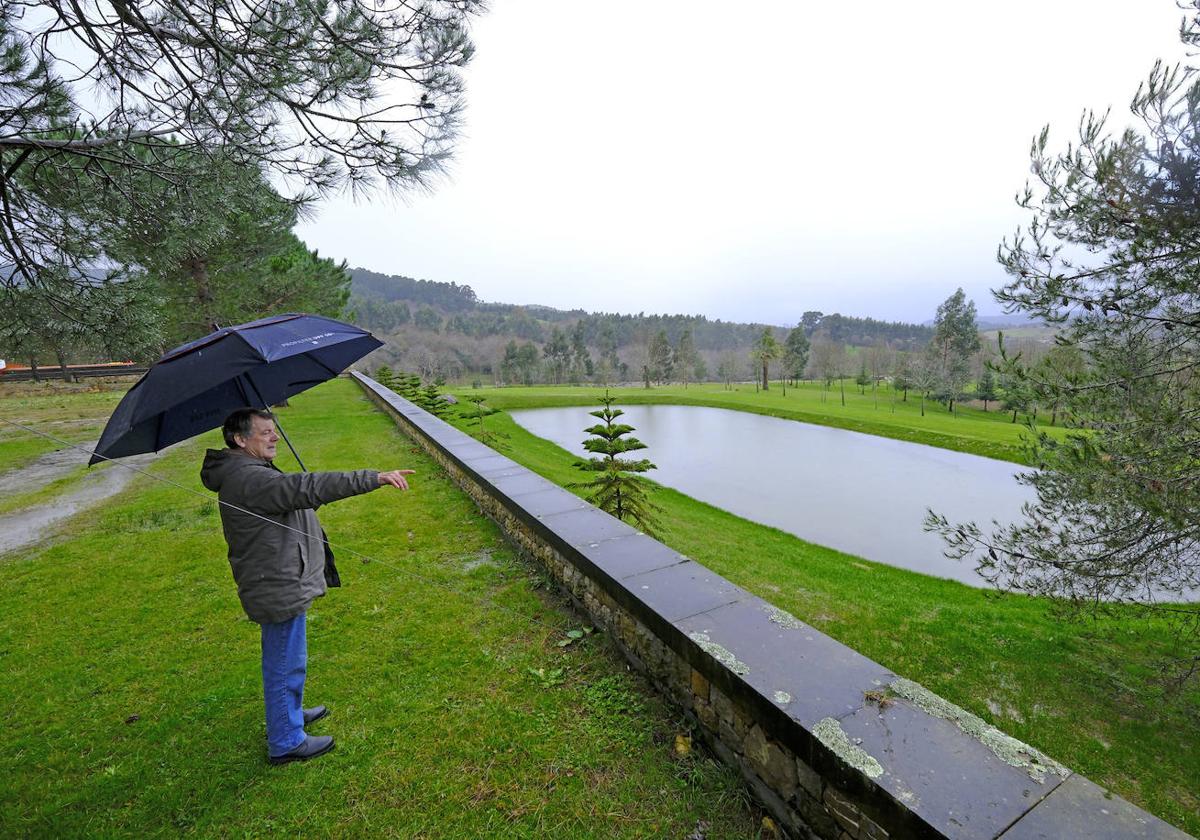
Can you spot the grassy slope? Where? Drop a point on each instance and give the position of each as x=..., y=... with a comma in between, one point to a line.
x=72, y=412
x=443, y=731
x=972, y=430
x=1075, y=690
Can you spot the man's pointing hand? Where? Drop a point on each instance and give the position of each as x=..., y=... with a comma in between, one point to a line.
x=395, y=478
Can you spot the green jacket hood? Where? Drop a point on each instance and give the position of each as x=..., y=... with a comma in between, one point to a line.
x=220, y=464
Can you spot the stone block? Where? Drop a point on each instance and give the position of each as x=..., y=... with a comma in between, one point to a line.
x=728, y=736
x=741, y=722
x=946, y=767
x=722, y=705
x=774, y=764
x=816, y=816
x=809, y=779
x=1081, y=808
x=699, y=685
x=843, y=810
x=870, y=830
x=800, y=670
x=682, y=590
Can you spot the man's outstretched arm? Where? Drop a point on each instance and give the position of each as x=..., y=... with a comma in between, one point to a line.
x=268, y=491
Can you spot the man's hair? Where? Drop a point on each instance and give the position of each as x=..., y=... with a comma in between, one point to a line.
x=241, y=422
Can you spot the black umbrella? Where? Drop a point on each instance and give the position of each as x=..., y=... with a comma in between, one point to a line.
x=193, y=388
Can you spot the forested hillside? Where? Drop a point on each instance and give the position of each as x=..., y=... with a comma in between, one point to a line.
x=443, y=329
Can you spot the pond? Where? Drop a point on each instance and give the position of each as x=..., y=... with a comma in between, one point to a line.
x=858, y=493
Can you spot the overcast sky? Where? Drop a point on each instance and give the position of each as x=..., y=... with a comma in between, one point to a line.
x=749, y=162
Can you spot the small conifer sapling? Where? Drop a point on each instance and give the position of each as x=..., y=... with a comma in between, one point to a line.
x=617, y=488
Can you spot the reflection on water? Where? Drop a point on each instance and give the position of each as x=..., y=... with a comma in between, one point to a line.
x=858, y=493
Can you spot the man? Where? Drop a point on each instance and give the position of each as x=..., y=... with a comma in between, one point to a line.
x=278, y=555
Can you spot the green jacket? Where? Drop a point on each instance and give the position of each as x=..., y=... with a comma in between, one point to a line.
x=278, y=570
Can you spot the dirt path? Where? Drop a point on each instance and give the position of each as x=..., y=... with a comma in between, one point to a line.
x=24, y=527
x=47, y=468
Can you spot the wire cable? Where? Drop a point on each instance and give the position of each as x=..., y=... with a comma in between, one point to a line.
x=366, y=558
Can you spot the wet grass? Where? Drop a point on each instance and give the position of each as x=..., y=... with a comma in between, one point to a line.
x=73, y=412
x=1087, y=693
x=131, y=693
x=988, y=433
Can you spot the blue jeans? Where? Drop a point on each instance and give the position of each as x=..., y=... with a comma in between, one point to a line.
x=284, y=662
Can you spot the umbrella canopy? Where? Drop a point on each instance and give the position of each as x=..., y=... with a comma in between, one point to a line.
x=194, y=387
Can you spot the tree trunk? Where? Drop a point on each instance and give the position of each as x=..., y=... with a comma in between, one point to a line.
x=842, y=383
x=206, y=309
x=62, y=365
x=922, y=403
x=1014, y=415
x=33, y=369
x=765, y=384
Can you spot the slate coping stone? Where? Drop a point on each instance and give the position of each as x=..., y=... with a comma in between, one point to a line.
x=790, y=664
x=1081, y=808
x=683, y=589
x=585, y=527
x=943, y=775
x=630, y=555
x=467, y=449
x=549, y=501
x=491, y=465
x=511, y=486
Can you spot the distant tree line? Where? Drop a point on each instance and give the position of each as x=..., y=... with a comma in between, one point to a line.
x=443, y=328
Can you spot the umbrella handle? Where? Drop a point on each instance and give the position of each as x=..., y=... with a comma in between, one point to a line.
x=278, y=425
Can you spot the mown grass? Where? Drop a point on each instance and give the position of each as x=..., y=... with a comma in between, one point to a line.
x=74, y=413
x=131, y=693
x=988, y=433
x=1086, y=693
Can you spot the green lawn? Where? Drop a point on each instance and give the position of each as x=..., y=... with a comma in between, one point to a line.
x=991, y=433
x=1080, y=691
x=131, y=693
x=74, y=413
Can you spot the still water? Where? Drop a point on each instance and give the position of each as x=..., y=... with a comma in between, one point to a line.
x=858, y=493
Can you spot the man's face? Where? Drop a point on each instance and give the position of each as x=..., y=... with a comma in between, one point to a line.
x=261, y=441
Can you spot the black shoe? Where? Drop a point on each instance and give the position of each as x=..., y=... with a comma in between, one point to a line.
x=314, y=714
x=313, y=746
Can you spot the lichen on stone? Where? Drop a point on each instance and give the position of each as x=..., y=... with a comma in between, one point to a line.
x=722, y=655
x=830, y=733
x=1005, y=747
x=783, y=618
x=782, y=698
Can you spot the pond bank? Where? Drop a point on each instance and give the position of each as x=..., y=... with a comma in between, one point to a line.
x=861, y=494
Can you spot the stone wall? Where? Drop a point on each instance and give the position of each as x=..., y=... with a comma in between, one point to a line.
x=833, y=744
